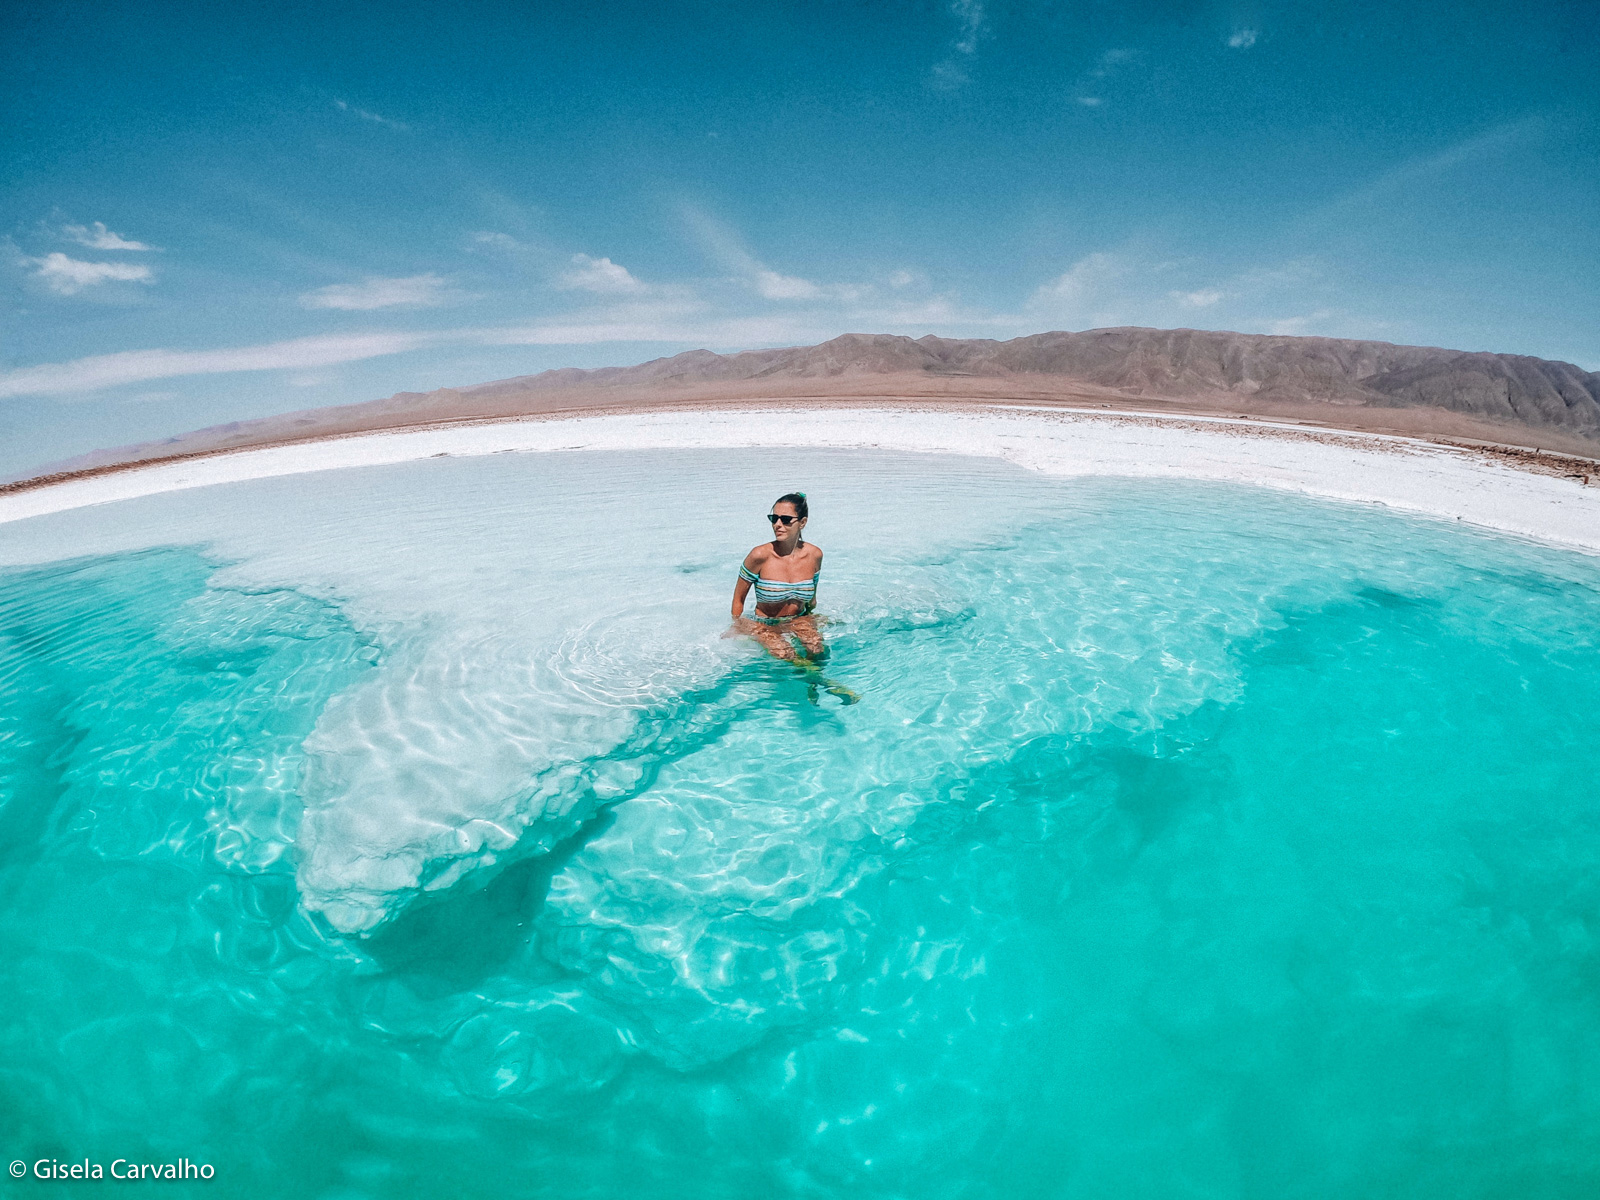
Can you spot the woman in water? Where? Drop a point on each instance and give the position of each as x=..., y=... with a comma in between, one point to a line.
x=784, y=573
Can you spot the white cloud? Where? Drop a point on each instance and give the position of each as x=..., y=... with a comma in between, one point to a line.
x=1109, y=61
x=644, y=327
x=1108, y=287
x=720, y=242
x=1092, y=82
x=691, y=323
x=671, y=323
x=1298, y=326
x=970, y=24
x=503, y=242
x=98, y=237
x=1091, y=292
x=1242, y=39
x=68, y=276
x=524, y=256
x=411, y=291
x=680, y=319
x=1127, y=287
x=773, y=286
x=600, y=275
x=371, y=116
x=1293, y=273
x=136, y=366
x=1084, y=279
x=1398, y=183
x=726, y=247
x=972, y=27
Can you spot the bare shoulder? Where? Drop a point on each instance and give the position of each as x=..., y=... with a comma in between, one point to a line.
x=816, y=553
x=758, y=555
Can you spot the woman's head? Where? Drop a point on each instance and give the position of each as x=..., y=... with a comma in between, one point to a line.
x=796, y=500
x=788, y=513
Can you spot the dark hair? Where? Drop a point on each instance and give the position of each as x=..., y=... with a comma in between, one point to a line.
x=798, y=499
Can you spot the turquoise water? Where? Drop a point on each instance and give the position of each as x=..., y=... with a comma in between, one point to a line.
x=1188, y=841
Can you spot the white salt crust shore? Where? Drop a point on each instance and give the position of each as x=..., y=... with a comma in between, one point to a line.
x=1401, y=473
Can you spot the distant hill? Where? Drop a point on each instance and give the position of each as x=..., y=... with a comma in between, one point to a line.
x=1169, y=363
x=1418, y=390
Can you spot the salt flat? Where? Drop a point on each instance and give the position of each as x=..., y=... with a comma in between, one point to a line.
x=1410, y=475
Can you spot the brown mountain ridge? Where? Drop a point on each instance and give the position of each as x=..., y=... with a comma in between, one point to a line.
x=1169, y=363
x=1363, y=385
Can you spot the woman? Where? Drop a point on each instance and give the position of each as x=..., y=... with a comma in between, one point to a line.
x=783, y=574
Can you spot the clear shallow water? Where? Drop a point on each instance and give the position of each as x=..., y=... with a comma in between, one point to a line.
x=1188, y=841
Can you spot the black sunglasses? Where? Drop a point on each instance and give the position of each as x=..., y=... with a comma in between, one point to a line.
x=776, y=517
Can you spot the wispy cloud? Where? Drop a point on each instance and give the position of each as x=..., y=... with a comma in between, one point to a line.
x=136, y=366
x=1416, y=172
x=1204, y=298
x=972, y=27
x=1292, y=273
x=1110, y=60
x=600, y=275
x=1087, y=291
x=665, y=326
x=1299, y=326
x=412, y=291
x=568, y=272
x=1107, y=64
x=695, y=322
x=1502, y=137
x=679, y=323
x=502, y=242
x=774, y=286
x=345, y=107
x=1129, y=286
x=674, y=317
x=98, y=237
x=729, y=250
x=756, y=306
x=67, y=276
x=1242, y=39
x=523, y=256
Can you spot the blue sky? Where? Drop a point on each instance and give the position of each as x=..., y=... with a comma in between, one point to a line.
x=218, y=211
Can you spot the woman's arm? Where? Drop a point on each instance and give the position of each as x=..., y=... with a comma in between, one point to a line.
x=741, y=586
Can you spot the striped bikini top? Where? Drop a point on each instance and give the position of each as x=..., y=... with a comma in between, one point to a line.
x=780, y=591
